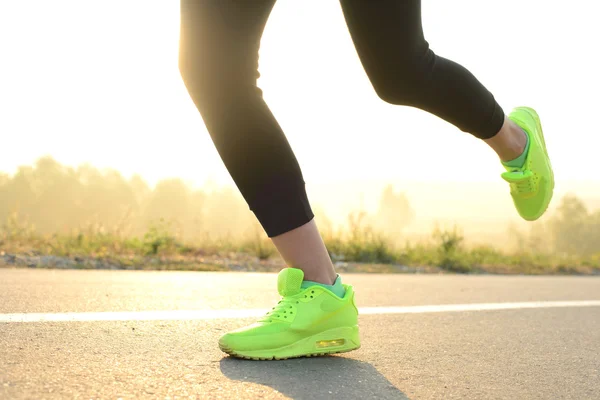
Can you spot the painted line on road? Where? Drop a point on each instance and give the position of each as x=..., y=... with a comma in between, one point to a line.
x=174, y=315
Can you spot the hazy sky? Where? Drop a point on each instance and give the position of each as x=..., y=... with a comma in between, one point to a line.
x=98, y=82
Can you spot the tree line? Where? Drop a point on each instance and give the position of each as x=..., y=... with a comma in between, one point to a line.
x=53, y=198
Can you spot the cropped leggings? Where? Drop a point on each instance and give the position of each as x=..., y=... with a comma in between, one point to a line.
x=218, y=61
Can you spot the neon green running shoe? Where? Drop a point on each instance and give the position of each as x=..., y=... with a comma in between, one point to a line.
x=531, y=186
x=306, y=322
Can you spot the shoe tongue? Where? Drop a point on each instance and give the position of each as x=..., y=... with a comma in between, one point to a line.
x=289, y=281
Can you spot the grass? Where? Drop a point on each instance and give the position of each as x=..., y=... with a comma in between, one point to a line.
x=361, y=247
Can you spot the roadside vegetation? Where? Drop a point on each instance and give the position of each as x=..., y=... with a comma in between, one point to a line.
x=93, y=219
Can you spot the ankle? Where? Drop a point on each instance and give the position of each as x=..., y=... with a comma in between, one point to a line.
x=303, y=248
x=322, y=275
x=510, y=142
x=336, y=287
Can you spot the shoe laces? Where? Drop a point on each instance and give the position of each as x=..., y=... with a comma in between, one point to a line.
x=522, y=181
x=283, y=311
x=524, y=186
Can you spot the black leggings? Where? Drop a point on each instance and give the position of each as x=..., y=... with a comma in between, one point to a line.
x=218, y=60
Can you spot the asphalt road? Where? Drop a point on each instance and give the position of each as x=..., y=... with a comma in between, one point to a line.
x=533, y=353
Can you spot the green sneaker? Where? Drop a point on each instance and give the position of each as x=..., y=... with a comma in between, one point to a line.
x=531, y=186
x=305, y=322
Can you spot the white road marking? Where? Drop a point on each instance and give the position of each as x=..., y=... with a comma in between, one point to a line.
x=173, y=315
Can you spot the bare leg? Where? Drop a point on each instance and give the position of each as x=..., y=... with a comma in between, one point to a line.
x=510, y=141
x=303, y=248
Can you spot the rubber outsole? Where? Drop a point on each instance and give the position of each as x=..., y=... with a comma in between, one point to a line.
x=340, y=340
x=320, y=354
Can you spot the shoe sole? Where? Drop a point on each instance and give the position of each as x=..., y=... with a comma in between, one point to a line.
x=548, y=198
x=307, y=347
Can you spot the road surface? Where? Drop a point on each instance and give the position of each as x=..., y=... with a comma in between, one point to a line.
x=143, y=334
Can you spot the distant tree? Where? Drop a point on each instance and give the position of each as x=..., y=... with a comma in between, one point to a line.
x=194, y=224
x=140, y=188
x=394, y=213
x=574, y=229
x=105, y=199
x=55, y=190
x=170, y=200
x=17, y=195
x=225, y=213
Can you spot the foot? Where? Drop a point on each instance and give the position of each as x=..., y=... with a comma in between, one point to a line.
x=305, y=322
x=532, y=185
